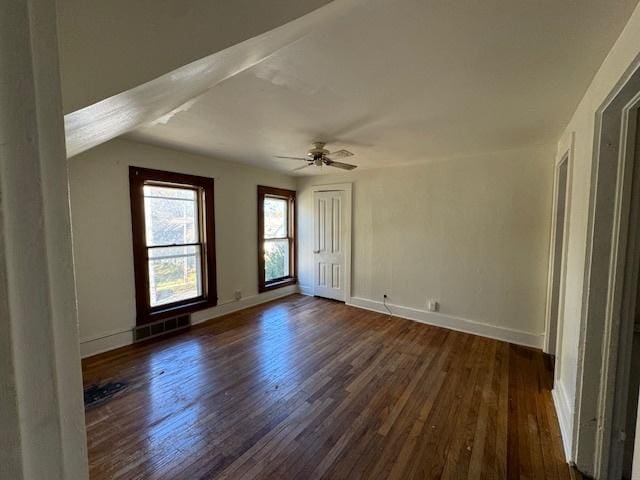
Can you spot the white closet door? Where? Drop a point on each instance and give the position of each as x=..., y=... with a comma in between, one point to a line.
x=329, y=244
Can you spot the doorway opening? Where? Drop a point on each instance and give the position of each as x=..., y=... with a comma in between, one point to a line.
x=630, y=425
x=627, y=367
x=607, y=389
x=553, y=338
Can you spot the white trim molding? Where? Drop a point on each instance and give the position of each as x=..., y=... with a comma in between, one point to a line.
x=509, y=335
x=553, y=332
x=607, y=286
x=105, y=341
x=306, y=290
x=563, y=411
x=119, y=338
x=231, y=306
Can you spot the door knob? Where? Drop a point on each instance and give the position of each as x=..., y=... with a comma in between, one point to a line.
x=316, y=251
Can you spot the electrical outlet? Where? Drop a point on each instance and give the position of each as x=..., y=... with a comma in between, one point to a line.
x=237, y=294
x=433, y=306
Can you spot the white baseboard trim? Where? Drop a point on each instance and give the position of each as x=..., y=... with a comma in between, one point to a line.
x=306, y=290
x=105, y=342
x=119, y=338
x=453, y=323
x=230, y=306
x=563, y=411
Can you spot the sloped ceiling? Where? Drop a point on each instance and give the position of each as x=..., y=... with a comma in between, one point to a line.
x=110, y=46
x=120, y=113
x=406, y=81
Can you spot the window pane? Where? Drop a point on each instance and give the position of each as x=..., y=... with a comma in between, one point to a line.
x=171, y=215
x=276, y=259
x=174, y=274
x=275, y=217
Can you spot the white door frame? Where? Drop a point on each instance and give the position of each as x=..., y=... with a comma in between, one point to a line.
x=348, y=199
x=553, y=327
x=620, y=318
x=605, y=303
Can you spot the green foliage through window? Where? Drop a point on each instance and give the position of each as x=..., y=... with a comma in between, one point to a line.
x=276, y=259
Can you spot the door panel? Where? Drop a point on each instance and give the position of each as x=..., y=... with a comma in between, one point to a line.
x=335, y=277
x=336, y=227
x=322, y=275
x=329, y=244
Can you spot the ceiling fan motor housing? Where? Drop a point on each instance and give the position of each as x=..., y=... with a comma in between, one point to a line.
x=318, y=150
x=319, y=156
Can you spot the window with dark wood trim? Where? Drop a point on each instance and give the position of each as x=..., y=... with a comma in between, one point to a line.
x=276, y=238
x=172, y=220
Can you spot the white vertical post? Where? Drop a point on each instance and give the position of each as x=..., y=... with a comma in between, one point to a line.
x=42, y=432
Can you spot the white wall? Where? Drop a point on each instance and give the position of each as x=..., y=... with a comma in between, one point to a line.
x=623, y=54
x=471, y=232
x=101, y=221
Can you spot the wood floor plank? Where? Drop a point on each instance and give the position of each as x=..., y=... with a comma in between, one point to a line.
x=310, y=388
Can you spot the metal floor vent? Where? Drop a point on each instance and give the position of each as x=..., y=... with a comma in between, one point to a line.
x=99, y=393
x=161, y=327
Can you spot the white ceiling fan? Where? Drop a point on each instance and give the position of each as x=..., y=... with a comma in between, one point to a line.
x=318, y=156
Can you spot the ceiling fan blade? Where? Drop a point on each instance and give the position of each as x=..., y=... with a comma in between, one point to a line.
x=300, y=168
x=343, y=166
x=292, y=158
x=340, y=154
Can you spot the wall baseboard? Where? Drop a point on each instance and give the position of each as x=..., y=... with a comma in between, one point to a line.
x=305, y=290
x=563, y=412
x=453, y=323
x=120, y=338
x=225, y=308
x=105, y=342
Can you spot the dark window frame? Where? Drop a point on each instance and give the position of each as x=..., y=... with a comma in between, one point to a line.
x=138, y=178
x=290, y=196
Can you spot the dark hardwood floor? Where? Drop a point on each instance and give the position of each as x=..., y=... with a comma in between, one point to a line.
x=309, y=388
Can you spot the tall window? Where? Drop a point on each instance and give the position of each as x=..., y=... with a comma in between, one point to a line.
x=173, y=243
x=276, y=238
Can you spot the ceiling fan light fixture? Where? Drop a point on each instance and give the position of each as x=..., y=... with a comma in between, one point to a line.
x=319, y=156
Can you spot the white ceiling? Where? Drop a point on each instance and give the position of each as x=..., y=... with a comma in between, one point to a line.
x=111, y=46
x=407, y=81
x=113, y=116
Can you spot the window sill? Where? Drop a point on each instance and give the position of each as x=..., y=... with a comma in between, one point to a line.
x=277, y=284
